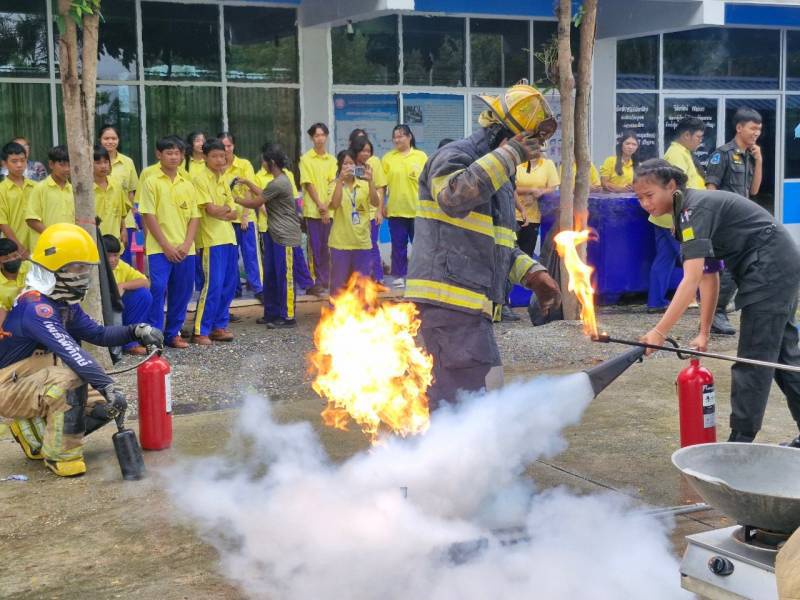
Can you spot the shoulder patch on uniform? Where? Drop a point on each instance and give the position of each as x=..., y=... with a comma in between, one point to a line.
x=715, y=158
x=44, y=311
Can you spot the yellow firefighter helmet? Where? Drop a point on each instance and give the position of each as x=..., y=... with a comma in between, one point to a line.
x=64, y=244
x=522, y=108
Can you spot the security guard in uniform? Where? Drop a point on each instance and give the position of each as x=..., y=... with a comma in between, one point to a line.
x=735, y=167
x=765, y=264
x=43, y=369
x=464, y=241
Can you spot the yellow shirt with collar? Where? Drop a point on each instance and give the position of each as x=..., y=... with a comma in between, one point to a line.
x=148, y=172
x=679, y=156
x=13, y=204
x=402, y=179
x=609, y=171
x=124, y=170
x=379, y=178
x=111, y=205
x=50, y=204
x=213, y=189
x=10, y=288
x=346, y=235
x=240, y=167
x=173, y=203
x=262, y=178
x=318, y=170
x=124, y=273
x=196, y=166
x=543, y=174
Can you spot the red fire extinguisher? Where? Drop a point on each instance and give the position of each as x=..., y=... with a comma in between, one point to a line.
x=696, y=405
x=155, y=403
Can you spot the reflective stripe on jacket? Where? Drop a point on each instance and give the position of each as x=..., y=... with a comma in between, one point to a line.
x=464, y=231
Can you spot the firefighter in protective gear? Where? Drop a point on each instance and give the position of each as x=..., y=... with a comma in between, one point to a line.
x=464, y=242
x=43, y=369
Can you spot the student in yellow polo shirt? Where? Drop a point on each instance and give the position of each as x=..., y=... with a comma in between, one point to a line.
x=616, y=173
x=195, y=163
x=220, y=256
x=350, y=240
x=15, y=190
x=122, y=169
x=110, y=198
x=51, y=201
x=402, y=167
x=317, y=171
x=134, y=290
x=534, y=179
x=365, y=156
x=168, y=205
x=245, y=223
x=12, y=276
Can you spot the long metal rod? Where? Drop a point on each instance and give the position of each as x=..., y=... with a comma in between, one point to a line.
x=605, y=338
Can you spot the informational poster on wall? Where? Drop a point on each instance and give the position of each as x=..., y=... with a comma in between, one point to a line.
x=704, y=109
x=433, y=117
x=553, y=144
x=377, y=114
x=639, y=113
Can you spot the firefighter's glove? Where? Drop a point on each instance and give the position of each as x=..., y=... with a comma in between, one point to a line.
x=526, y=144
x=147, y=335
x=545, y=288
x=116, y=403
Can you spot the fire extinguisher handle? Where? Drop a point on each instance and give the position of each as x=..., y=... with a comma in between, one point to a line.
x=675, y=344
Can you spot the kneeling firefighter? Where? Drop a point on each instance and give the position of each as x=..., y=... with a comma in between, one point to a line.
x=465, y=241
x=43, y=369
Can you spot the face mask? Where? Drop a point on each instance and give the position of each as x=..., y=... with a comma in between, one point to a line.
x=71, y=287
x=12, y=266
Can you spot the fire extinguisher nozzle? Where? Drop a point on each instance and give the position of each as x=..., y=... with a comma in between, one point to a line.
x=129, y=455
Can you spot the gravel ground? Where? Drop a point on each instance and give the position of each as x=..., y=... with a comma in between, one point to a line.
x=273, y=362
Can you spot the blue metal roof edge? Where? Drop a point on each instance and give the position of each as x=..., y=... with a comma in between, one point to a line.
x=760, y=14
x=521, y=8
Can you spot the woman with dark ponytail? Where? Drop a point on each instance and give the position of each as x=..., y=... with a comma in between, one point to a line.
x=765, y=263
x=616, y=173
x=195, y=159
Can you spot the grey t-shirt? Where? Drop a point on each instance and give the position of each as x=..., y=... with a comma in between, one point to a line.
x=760, y=253
x=283, y=221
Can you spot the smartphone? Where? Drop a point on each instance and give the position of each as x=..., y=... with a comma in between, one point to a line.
x=358, y=171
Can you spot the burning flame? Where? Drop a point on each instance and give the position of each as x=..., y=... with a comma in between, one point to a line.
x=580, y=275
x=368, y=366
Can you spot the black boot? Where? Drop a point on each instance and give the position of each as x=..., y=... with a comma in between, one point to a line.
x=508, y=315
x=795, y=443
x=746, y=437
x=721, y=325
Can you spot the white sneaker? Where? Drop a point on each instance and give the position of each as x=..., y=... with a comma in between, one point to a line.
x=399, y=283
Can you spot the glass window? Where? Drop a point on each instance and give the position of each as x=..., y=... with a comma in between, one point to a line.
x=117, y=105
x=433, y=51
x=722, y=58
x=116, y=48
x=637, y=63
x=25, y=111
x=23, y=38
x=433, y=117
x=639, y=112
x=793, y=60
x=792, y=138
x=253, y=126
x=545, y=52
x=180, y=41
x=179, y=110
x=261, y=44
x=369, y=55
x=499, y=52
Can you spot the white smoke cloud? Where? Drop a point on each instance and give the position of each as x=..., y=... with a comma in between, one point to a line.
x=291, y=525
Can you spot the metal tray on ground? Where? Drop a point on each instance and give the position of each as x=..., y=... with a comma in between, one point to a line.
x=756, y=484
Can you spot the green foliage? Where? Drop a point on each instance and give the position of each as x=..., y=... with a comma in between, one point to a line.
x=77, y=10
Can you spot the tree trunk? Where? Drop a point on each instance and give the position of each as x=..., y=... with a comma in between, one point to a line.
x=582, y=96
x=79, y=104
x=566, y=86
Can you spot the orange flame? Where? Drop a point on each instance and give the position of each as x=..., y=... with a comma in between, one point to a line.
x=580, y=275
x=368, y=365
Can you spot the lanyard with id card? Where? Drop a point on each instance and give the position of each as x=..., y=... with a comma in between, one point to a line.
x=354, y=216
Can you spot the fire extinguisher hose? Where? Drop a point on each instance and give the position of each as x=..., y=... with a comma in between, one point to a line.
x=152, y=353
x=686, y=352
